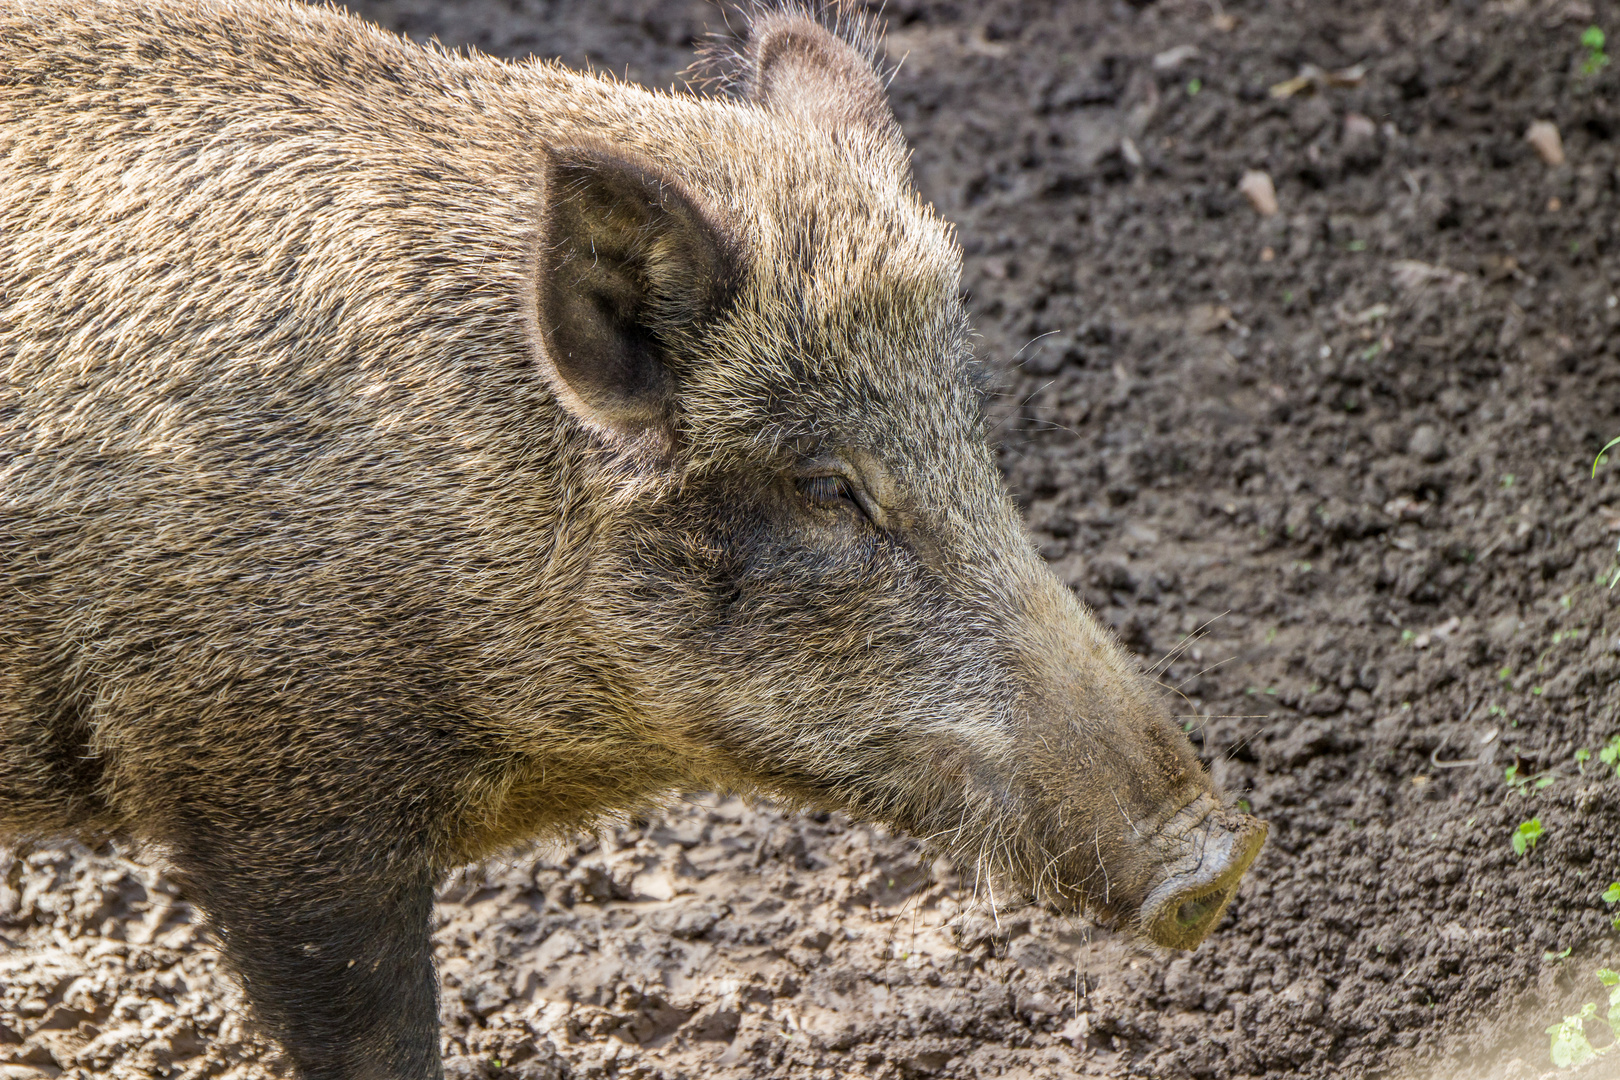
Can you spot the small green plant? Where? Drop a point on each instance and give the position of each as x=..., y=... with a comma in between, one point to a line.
x=1570, y=1045
x=1582, y=756
x=1595, y=60
x=1526, y=835
x=1550, y=957
x=1611, y=895
x=1603, y=455
x=1520, y=783
x=1610, y=754
x=1193, y=86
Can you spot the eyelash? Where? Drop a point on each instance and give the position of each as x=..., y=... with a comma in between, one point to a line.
x=828, y=492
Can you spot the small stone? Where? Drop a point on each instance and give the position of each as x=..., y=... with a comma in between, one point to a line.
x=1505, y=628
x=1208, y=318
x=1037, y=1004
x=1358, y=128
x=1129, y=151
x=1426, y=443
x=1170, y=59
x=1257, y=187
x=1543, y=136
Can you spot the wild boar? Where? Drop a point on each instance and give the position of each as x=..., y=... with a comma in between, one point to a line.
x=404, y=454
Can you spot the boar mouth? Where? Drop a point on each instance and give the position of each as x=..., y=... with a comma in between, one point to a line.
x=1209, y=850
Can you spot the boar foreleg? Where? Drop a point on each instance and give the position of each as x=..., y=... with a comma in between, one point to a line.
x=336, y=958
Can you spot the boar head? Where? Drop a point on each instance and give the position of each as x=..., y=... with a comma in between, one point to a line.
x=812, y=579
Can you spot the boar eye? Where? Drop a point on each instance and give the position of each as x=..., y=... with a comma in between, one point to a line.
x=830, y=493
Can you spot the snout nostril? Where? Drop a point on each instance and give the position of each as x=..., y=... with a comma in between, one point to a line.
x=1194, y=911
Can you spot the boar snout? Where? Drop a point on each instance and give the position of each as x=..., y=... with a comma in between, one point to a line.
x=1206, y=850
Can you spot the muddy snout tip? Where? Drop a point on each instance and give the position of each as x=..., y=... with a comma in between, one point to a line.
x=1181, y=911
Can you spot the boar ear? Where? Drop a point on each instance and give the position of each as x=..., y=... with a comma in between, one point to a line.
x=800, y=67
x=629, y=268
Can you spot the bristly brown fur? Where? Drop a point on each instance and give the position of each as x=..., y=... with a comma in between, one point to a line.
x=404, y=454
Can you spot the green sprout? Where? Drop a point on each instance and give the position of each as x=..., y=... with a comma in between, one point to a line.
x=1610, y=754
x=1193, y=86
x=1521, y=783
x=1570, y=1046
x=1595, y=60
x=1602, y=455
x=1526, y=835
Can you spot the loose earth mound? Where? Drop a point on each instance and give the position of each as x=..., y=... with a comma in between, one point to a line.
x=1327, y=469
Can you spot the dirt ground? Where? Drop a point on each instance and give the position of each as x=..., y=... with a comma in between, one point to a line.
x=1328, y=470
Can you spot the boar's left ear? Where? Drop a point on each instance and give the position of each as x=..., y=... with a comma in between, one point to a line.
x=630, y=266
x=800, y=67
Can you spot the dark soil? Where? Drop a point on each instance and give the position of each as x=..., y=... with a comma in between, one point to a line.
x=1329, y=470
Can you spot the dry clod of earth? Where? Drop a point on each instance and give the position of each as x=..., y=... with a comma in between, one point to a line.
x=1247, y=505
x=1258, y=188
x=1544, y=137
